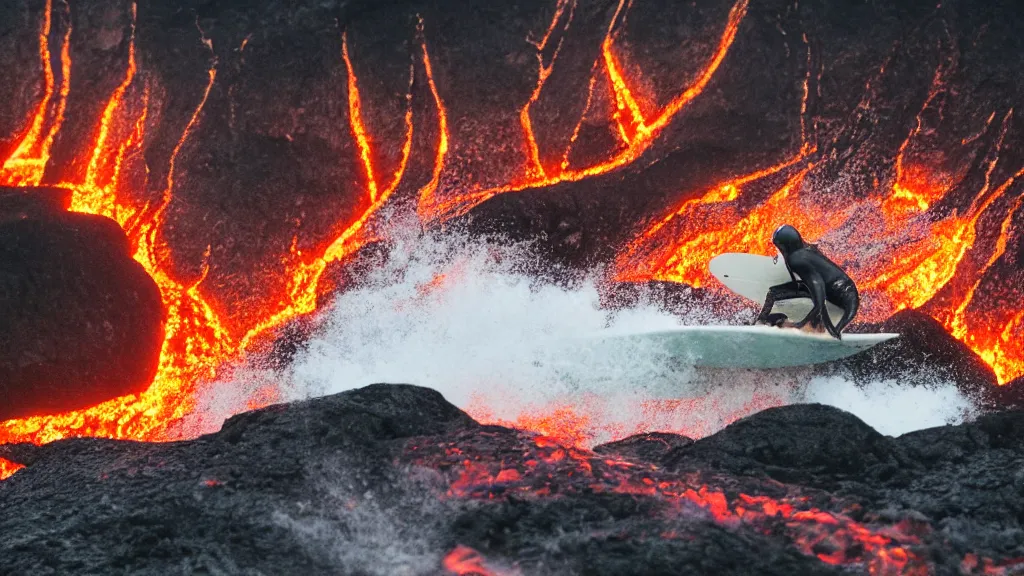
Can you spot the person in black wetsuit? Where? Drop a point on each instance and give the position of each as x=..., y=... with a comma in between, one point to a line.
x=820, y=280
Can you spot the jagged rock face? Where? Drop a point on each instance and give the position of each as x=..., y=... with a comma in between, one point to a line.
x=393, y=479
x=80, y=321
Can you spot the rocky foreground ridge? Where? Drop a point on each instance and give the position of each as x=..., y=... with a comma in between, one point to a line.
x=393, y=479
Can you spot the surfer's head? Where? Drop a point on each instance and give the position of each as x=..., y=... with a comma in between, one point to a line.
x=787, y=239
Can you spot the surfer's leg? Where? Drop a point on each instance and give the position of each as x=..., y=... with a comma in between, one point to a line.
x=775, y=294
x=848, y=300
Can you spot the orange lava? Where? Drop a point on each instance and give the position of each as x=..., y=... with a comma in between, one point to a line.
x=679, y=246
x=464, y=561
x=26, y=164
x=427, y=196
x=721, y=229
x=591, y=419
x=197, y=342
x=642, y=133
x=547, y=469
x=8, y=468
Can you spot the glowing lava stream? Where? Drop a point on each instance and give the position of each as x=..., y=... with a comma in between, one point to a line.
x=8, y=468
x=305, y=278
x=547, y=468
x=912, y=276
x=646, y=131
x=464, y=561
x=26, y=164
x=196, y=342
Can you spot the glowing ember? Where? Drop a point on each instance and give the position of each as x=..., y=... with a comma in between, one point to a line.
x=548, y=470
x=8, y=468
x=464, y=561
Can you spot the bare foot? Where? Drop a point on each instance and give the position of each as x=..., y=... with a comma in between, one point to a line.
x=812, y=330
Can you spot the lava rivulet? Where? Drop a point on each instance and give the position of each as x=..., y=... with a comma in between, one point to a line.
x=911, y=272
x=544, y=468
x=197, y=342
x=8, y=468
x=642, y=133
x=25, y=165
x=464, y=561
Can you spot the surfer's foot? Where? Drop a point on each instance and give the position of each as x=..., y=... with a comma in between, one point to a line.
x=777, y=320
x=813, y=329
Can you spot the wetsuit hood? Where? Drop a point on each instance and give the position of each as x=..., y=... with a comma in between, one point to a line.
x=787, y=239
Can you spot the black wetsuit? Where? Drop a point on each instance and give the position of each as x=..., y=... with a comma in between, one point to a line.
x=821, y=280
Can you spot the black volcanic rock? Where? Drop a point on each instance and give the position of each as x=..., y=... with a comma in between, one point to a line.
x=80, y=321
x=649, y=447
x=1010, y=396
x=792, y=444
x=19, y=203
x=392, y=479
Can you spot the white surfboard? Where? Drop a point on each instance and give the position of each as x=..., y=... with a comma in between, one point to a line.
x=750, y=346
x=750, y=276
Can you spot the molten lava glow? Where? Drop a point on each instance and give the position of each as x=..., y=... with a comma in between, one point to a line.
x=547, y=469
x=26, y=164
x=685, y=260
x=427, y=196
x=355, y=120
x=578, y=423
x=639, y=136
x=464, y=561
x=8, y=468
x=197, y=342
x=305, y=277
x=679, y=246
x=97, y=194
x=536, y=169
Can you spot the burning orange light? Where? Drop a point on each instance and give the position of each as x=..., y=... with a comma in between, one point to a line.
x=536, y=168
x=8, y=468
x=464, y=561
x=432, y=208
x=427, y=196
x=832, y=537
x=195, y=343
x=26, y=164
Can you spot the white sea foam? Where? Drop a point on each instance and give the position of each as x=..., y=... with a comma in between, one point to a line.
x=466, y=319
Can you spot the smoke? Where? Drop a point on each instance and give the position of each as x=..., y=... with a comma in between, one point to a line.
x=472, y=321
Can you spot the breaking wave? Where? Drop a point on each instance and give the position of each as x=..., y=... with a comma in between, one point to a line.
x=471, y=320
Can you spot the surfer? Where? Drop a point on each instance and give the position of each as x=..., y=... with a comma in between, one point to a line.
x=820, y=280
